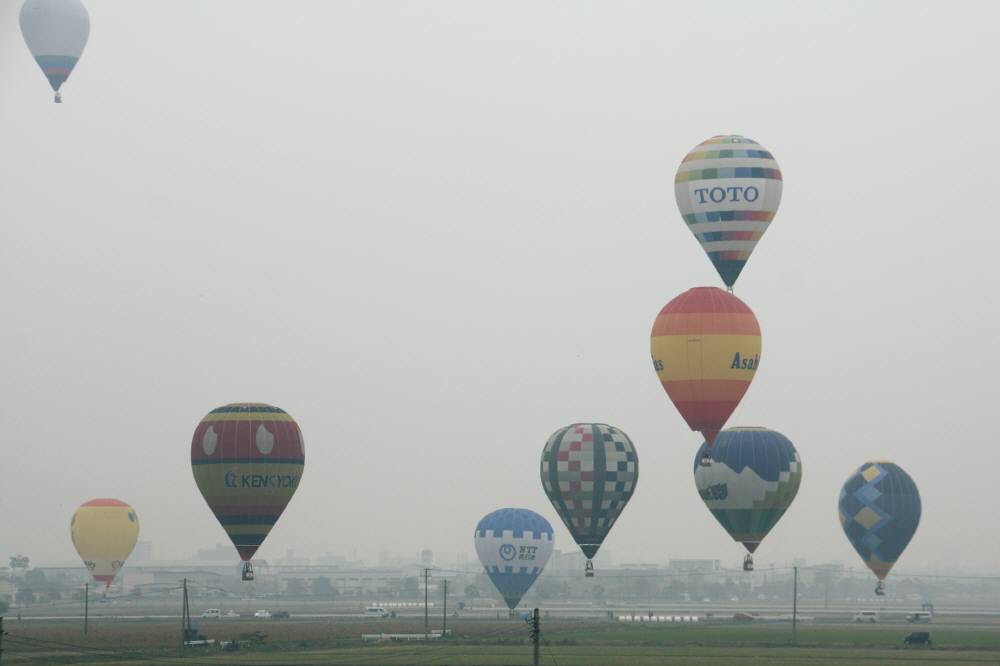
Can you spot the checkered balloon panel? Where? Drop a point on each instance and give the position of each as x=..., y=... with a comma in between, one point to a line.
x=589, y=472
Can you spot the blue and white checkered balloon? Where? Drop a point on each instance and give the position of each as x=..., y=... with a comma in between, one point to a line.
x=513, y=546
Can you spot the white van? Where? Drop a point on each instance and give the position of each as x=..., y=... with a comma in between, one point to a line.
x=866, y=616
x=376, y=611
x=212, y=614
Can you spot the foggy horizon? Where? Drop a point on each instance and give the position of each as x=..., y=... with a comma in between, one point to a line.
x=436, y=233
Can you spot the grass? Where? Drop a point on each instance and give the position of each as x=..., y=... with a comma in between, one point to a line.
x=585, y=643
x=776, y=635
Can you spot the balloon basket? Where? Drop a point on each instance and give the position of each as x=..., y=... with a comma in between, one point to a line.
x=247, y=571
x=880, y=588
x=748, y=563
x=588, y=570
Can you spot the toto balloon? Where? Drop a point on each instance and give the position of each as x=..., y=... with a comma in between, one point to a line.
x=728, y=189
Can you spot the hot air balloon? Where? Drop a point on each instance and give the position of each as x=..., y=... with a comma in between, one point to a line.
x=247, y=460
x=589, y=472
x=513, y=546
x=751, y=481
x=728, y=189
x=706, y=349
x=104, y=532
x=56, y=32
x=879, y=511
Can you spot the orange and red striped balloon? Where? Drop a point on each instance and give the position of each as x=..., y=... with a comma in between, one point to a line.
x=706, y=349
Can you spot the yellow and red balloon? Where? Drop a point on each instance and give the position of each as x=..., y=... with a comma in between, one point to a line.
x=706, y=348
x=104, y=532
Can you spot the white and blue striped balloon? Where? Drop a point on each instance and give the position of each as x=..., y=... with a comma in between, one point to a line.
x=513, y=546
x=56, y=33
x=728, y=190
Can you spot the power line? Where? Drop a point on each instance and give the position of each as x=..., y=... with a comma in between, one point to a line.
x=740, y=573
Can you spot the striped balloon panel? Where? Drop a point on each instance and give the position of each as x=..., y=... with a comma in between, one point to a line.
x=706, y=348
x=104, y=532
x=589, y=472
x=513, y=546
x=56, y=32
x=247, y=460
x=879, y=510
x=728, y=189
x=56, y=68
x=753, y=476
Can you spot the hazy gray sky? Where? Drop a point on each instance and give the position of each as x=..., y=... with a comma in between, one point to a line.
x=437, y=232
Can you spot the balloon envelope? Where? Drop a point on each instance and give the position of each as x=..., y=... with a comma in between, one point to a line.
x=754, y=475
x=247, y=460
x=104, y=532
x=56, y=32
x=589, y=472
x=706, y=349
x=513, y=546
x=728, y=189
x=879, y=510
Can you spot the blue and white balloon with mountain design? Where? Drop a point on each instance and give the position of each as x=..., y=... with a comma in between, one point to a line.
x=753, y=476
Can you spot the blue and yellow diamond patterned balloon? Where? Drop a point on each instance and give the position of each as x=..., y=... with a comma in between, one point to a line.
x=879, y=511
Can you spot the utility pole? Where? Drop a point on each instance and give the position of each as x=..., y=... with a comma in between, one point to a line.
x=427, y=574
x=536, y=635
x=1, y=638
x=86, y=606
x=186, y=633
x=444, y=614
x=795, y=606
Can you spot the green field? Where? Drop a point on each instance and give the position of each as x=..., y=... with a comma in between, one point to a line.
x=503, y=644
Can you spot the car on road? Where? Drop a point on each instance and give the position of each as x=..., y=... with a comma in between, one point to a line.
x=866, y=616
x=918, y=617
x=263, y=614
x=212, y=613
x=918, y=638
x=280, y=615
x=376, y=611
